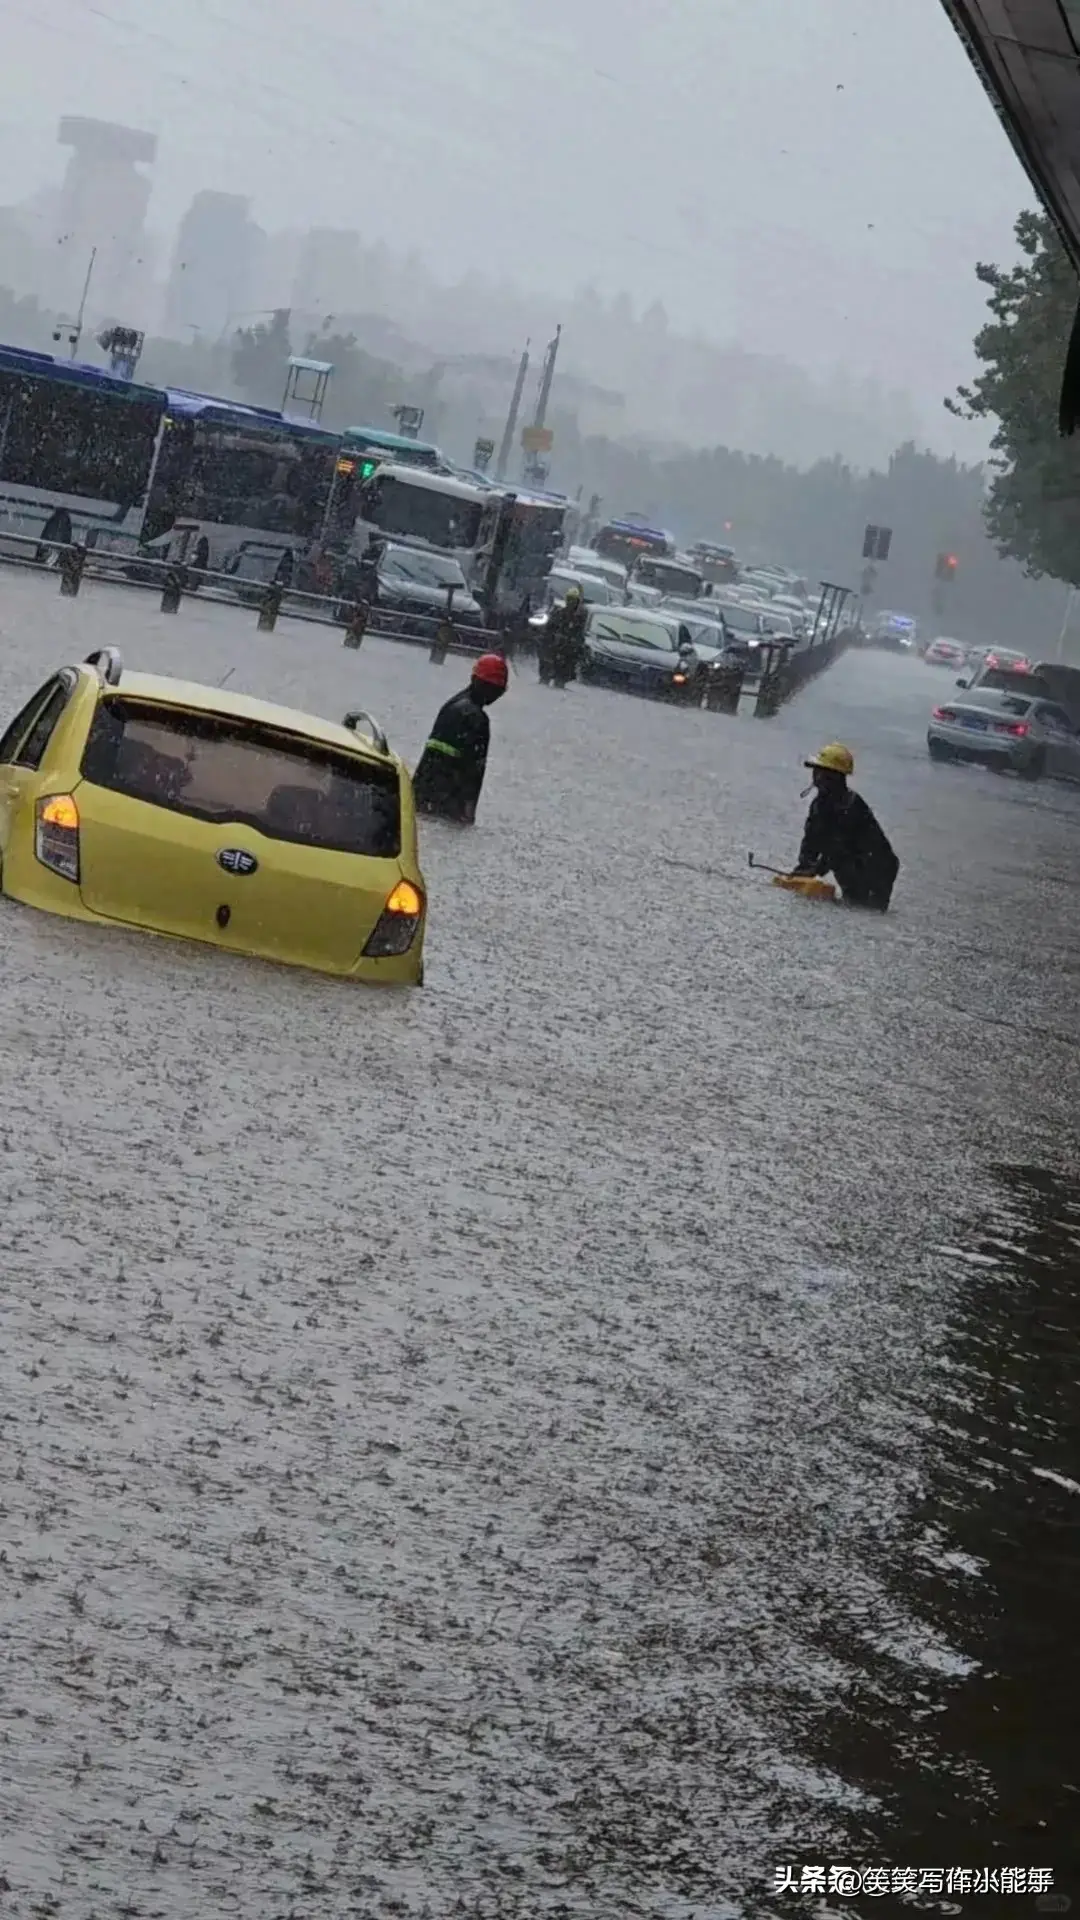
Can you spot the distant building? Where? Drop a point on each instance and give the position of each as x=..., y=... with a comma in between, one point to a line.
x=211, y=280
x=329, y=276
x=102, y=204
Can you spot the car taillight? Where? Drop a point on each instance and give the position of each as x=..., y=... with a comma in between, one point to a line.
x=1018, y=728
x=56, y=835
x=944, y=713
x=395, y=929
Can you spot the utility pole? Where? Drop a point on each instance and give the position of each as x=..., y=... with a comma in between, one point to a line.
x=546, y=378
x=537, y=435
x=510, y=429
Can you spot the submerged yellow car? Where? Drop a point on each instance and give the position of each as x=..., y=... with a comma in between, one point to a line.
x=190, y=811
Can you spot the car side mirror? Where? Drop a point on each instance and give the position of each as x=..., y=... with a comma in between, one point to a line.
x=964, y=684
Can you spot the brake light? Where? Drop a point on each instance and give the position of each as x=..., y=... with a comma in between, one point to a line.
x=395, y=929
x=1018, y=728
x=406, y=899
x=944, y=713
x=56, y=835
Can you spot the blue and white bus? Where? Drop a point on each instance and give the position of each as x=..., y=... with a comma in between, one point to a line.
x=85, y=454
x=229, y=479
x=77, y=447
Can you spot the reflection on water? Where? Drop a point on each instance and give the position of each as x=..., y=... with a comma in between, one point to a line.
x=963, y=1728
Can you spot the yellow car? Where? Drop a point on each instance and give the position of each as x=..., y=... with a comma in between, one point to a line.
x=156, y=803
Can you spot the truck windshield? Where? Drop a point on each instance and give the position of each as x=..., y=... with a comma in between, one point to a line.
x=422, y=513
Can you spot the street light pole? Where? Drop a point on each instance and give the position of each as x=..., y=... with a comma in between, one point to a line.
x=76, y=325
x=80, y=317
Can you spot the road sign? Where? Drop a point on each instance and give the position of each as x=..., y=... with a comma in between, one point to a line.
x=876, y=543
x=537, y=439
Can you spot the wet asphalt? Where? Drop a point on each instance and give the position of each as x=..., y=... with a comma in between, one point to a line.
x=579, y=1438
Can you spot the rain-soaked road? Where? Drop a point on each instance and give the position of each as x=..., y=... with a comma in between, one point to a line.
x=576, y=1439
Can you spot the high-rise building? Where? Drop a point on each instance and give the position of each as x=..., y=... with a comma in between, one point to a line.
x=329, y=275
x=211, y=280
x=102, y=204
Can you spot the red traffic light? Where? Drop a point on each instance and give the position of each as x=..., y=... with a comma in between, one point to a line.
x=946, y=566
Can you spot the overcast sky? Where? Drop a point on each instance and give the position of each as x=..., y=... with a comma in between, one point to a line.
x=816, y=177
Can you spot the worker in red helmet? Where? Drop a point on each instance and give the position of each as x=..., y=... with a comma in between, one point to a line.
x=448, y=780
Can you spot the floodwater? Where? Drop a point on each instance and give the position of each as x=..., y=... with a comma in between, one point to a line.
x=583, y=1437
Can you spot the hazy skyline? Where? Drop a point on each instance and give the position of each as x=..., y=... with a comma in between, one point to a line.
x=808, y=181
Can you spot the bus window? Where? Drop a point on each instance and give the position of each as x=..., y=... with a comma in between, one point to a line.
x=70, y=440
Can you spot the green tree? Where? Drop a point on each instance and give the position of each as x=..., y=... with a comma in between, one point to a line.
x=260, y=360
x=1032, y=508
x=362, y=389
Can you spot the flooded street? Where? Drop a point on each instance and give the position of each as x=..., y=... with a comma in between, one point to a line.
x=578, y=1438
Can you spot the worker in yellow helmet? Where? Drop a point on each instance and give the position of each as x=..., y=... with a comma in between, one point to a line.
x=843, y=838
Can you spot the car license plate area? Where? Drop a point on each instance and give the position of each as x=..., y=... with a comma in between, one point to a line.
x=972, y=722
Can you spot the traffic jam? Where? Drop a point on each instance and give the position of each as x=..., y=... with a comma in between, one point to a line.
x=194, y=810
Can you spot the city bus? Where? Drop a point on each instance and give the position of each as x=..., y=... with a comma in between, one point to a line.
x=370, y=446
x=90, y=456
x=231, y=480
x=77, y=448
x=627, y=540
x=460, y=515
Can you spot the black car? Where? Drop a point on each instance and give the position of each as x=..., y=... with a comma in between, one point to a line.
x=415, y=580
x=643, y=652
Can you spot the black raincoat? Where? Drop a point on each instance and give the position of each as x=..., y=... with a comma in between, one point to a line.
x=843, y=838
x=562, y=644
x=451, y=770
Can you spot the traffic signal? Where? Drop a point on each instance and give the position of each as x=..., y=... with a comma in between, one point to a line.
x=876, y=543
x=945, y=567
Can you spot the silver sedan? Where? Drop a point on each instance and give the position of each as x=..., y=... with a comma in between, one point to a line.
x=1008, y=732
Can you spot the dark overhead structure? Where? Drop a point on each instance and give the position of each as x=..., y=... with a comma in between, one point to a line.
x=1027, y=54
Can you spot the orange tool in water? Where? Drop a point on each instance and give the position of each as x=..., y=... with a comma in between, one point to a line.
x=805, y=884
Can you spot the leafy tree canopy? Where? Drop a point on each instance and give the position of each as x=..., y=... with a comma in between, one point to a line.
x=1032, y=508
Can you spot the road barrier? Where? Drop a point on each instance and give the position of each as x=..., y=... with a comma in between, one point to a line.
x=179, y=583
x=786, y=670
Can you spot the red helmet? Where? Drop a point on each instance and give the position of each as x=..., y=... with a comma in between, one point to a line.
x=492, y=669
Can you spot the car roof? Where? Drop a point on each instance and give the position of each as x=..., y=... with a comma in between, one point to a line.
x=244, y=706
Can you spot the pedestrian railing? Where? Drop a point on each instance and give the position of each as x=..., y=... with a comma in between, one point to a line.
x=179, y=582
x=782, y=672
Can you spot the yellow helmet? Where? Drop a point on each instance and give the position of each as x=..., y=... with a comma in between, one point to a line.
x=835, y=758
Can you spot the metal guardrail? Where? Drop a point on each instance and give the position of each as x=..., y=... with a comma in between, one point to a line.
x=784, y=669
x=177, y=581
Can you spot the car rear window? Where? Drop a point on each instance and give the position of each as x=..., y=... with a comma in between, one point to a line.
x=991, y=702
x=218, y=767
x=1008, y=680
